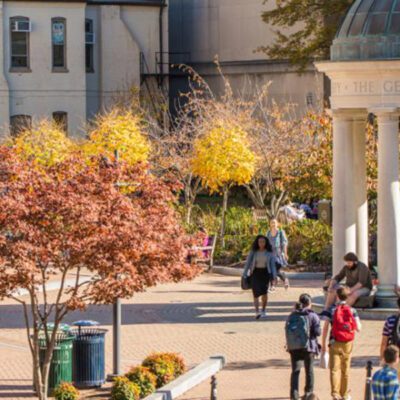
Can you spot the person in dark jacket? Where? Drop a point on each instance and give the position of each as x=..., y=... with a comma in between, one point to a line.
x=305, y=356
x=260, y=267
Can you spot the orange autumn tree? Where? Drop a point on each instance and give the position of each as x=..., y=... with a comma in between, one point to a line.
x=277, y=142
x=310, y=171
x=75, y=218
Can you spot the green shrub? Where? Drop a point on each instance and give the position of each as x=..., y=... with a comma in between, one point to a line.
x=310, y=241
x=210, y=220
x=239, y=221
x=66, y=391
x=165, y=366
x=236, y=248
x=124, y=389
x=144, y=379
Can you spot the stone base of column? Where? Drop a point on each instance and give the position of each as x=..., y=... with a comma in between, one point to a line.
x=386, y=297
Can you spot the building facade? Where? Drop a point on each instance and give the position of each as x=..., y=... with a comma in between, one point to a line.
x=68, y=60
x=232, y=30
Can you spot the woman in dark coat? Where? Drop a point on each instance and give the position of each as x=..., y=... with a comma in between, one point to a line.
x=260, y=267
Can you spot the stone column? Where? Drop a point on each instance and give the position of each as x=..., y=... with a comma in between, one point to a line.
x=344, y=220
x=360, y=186
x=388, y=205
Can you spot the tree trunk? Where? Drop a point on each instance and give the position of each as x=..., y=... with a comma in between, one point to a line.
x=224, y=208
x=38, y=377
x=190, y=193
x=41, y=372
x=189, y=208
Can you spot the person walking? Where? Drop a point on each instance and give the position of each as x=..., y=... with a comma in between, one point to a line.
x=302, y=330
x=391, y=331
x=260, y=267
x=344, y=322
x=385, y=382
x=279, y=242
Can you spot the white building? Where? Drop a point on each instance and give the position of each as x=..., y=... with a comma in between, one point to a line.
x=69, y=59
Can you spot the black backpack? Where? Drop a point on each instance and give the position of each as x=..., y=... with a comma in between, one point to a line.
x=395, y=337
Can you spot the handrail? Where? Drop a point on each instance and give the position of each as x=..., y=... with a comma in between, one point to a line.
x=190, y=379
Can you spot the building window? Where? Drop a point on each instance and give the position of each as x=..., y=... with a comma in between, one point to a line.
x=19, y=34
x=61, y=119
x=59, y=44
x=310, y=99
x=20, y=123
x=89, y=45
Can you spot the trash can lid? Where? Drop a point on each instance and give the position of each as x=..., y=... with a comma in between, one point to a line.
x=61, y=327
x=84, y=322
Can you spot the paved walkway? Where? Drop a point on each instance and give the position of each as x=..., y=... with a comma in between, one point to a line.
x=201, y=318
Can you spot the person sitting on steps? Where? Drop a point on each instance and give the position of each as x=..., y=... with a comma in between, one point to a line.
x=357, y=278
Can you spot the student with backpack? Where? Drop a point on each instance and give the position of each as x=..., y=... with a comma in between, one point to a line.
x=302, y=330
x=391, y=332
x=344, y=322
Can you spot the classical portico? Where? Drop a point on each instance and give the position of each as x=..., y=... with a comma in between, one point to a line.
x=365, y=78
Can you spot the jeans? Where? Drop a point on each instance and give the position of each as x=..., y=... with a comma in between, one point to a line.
x=339, y=363
x=298, y=357
x=279, y=272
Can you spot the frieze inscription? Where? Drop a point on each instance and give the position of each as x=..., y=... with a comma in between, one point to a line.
x=385, y=87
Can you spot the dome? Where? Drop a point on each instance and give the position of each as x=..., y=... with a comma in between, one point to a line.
x=370, y=31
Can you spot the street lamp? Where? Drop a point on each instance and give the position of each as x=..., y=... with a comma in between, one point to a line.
x=116, y=329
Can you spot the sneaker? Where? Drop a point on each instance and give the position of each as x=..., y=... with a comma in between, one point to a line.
x=287, y=284
x=271, y=289
x=264, y=314
x=258, y=316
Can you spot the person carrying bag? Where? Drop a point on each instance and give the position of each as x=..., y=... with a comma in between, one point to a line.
x=302, y=330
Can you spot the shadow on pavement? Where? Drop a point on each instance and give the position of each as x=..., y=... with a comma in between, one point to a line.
x=11, y=316
x=15, y=390
x=361, y=361
x=247, y=365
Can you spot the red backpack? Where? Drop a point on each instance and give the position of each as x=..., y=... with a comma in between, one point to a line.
x=343, y=324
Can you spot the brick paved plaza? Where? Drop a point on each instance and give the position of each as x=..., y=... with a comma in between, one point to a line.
x=206, y=317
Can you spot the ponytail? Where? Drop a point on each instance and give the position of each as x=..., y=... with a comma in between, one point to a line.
x=304, y=301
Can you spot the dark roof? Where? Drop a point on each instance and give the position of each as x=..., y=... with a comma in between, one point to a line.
x=370, y=31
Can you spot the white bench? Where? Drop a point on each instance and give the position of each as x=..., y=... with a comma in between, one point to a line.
x=210, y=249
x=206, y=370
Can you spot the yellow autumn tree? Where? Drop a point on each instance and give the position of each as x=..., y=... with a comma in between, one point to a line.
x=120, y=131
x=222, y=157
x=46, y=144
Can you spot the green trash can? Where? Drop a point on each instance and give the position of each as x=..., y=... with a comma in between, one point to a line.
x=61, y=363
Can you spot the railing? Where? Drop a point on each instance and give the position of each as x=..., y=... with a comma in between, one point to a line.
x=206, y=370
x=171, y=58
x=368, y=382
